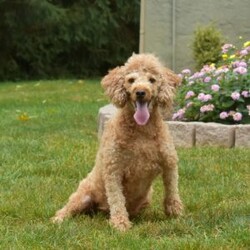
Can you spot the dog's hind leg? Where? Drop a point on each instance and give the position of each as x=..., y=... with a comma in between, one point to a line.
x=80, y=201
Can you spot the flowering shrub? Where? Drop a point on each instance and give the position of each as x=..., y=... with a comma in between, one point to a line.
x=217, y=93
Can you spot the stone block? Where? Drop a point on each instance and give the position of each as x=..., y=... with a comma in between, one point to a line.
x=183, y=133
x=214, y=134
x=105, y=113
x=242, y=136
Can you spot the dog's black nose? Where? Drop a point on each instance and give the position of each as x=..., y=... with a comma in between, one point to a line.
x=140, y=93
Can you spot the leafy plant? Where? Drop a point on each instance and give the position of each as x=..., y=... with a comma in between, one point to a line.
x=59, y=38
x=206, y=45
x=217, y=94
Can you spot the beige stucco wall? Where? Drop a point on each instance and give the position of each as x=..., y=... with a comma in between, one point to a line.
x=167, y=26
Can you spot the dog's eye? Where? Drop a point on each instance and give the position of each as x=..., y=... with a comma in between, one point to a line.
x=131, y=80
x=152, y=80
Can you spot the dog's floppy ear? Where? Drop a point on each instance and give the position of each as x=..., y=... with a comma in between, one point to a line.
x=169, y=82
x=113, y=84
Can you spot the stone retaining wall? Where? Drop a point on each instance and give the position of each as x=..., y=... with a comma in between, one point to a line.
x=190, y=134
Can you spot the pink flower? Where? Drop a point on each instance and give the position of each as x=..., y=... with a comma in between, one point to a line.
x=207, y=97
x=223, y=115
x=186, y=72
x=207, y=79
x=189, y=94
x=240, y=70
x=243, y=52
x=235, y=64
x=204, y=98
x=181, y=76
x=245, y=93
x=207, y=108
x=203, y=109
x=201, y=96
x=226, y=47
x=237, y=116
x=221, y=70
x=215, y=87
x=218, y=72
x=196, y=75
x=201, y=74
x=179, y=114
x=208, y=68
x=242, y=64
x=239, y=64
x=235, y=96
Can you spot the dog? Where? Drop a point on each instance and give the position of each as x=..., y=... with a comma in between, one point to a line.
x=135, y=147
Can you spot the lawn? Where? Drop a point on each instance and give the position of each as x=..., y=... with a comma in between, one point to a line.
x=48, y=142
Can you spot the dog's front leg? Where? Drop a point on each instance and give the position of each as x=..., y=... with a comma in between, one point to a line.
x=118, y=214
x=172, y=202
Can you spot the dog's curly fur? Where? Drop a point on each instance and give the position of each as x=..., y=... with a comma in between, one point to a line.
x=132, y=155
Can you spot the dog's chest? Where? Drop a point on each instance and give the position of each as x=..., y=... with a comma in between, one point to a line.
x=142, y=160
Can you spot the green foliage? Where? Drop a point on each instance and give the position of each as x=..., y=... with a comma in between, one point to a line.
x=206, y=45
x=44, y=39
x=43, y=158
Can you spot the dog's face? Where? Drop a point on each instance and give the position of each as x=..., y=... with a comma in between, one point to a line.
x=142, y=89
x=142, y=83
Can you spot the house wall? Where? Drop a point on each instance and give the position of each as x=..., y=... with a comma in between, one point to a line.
x=167, y=26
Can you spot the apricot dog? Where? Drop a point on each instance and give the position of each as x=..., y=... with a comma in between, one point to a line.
x=136, y=146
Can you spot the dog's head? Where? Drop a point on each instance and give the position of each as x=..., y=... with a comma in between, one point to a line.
x=143, y=82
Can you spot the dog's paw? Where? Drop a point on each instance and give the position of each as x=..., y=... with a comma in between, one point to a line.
x=57, y=219
x=120, y=223
x=173, y=207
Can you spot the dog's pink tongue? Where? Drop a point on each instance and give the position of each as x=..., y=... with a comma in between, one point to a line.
x=141, y=115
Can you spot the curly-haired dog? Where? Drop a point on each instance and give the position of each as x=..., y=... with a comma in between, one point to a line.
x=135, y=147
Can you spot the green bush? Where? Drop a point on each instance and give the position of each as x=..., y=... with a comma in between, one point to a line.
x=206, y=45
x=59, y=38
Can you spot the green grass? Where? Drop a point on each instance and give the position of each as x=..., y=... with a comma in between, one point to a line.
x=43, y=158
